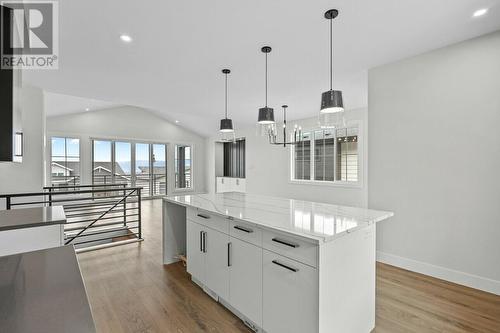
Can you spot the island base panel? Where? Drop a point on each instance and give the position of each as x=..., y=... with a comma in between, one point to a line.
x=174, y=232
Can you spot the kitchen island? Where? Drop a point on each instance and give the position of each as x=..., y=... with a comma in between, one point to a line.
x=281, y=265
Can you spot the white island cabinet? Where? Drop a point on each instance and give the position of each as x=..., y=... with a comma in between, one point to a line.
x=281, y=265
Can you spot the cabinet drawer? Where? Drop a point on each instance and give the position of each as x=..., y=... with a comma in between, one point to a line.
x=208, y=219
x=290, y=295
x=246, y=232
x=291, y=247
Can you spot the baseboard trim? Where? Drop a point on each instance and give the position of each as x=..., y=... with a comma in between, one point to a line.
x=462, y=278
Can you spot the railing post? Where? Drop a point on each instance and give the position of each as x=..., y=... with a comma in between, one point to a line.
x=50, y=196
x=7, y=203
x=125, y=208
x=140, y=211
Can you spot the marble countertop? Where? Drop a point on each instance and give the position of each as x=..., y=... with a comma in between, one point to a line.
x=31, y=217
x=313, y=220
x=43, y=291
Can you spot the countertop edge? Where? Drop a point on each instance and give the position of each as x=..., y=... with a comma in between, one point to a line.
x=32, y=217
x=31, y=225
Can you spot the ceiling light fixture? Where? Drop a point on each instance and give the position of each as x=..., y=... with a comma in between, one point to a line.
x=126, y=38
x=266, y=114
x=331, y=100
x=226, y=124
x=480, y=12
x=87, y=109
x=176, y=121
x=273, y=135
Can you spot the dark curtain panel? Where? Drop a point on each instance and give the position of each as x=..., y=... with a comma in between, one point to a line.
x=234, y=159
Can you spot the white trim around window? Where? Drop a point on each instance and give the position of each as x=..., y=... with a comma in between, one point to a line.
x=335, y=183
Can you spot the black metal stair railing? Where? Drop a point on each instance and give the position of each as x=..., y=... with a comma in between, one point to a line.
x=96, y=214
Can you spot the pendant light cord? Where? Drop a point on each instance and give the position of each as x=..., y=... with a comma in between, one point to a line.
x=284, y=127
x=331, y=54
x=226, y=95
x=266, y=80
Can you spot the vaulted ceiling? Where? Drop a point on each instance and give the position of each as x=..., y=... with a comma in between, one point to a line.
x=173, y=65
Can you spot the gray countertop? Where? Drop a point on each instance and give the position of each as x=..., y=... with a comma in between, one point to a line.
x=31, y=217
x=43, y=291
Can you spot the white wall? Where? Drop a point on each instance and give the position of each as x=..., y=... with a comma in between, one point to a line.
x=129, y=123
x=268, y=167
x=28, y=175
x=434, y=160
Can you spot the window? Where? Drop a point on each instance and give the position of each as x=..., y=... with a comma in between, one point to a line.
x=132, y=163
x=302, y=162
x=142, y=170
x=327, y=155
x=102, y=168
x=65, y=161
x=183, y=170
x=123, y=163
x=347, y=155
x=324, y=155
x=159, y=169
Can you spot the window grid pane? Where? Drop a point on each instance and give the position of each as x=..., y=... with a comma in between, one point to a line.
x=102, y=170
x=159, y=169
x=123, y=163
x=183, y=166
x=324, y=156
x=142, y=168
x=347, y=155
x=65, y=161
x=302, y=156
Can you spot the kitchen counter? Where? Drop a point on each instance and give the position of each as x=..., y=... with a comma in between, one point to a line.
x=43, y=291
x=317, y=221
x=31, y=217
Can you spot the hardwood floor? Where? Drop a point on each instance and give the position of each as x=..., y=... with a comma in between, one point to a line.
x=131, y=291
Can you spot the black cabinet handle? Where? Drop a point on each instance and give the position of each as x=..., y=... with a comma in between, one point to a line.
x=204, y=242
x=276, y=262
x=203, y=216
x=248, y=230
x=229, y=247
x=201, y=241
x=277, y=240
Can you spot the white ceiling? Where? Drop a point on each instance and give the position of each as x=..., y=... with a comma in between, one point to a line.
x=59, y=104
x=179, y=47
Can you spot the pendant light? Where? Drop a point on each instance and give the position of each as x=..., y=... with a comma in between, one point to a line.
x=331, y=100
x=226, y=124
x=266, y=114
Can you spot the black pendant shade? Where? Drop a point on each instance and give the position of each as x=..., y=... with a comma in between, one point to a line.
x=226, y=124
x=266, y=115
x=331, y=101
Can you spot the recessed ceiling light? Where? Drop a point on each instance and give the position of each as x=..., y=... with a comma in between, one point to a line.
x=126, y=38
x=480, y=12
x=176, y=121
x=87, y=109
